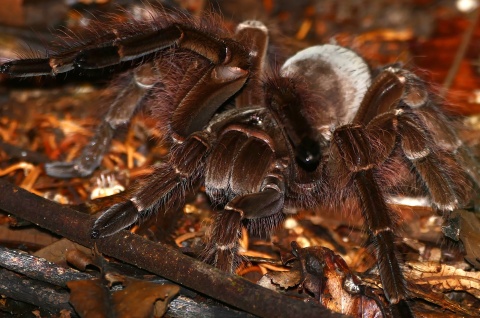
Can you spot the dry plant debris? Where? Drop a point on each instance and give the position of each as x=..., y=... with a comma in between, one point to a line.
x=48, y=121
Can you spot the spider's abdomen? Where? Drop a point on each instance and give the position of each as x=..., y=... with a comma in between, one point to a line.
x=337, y=79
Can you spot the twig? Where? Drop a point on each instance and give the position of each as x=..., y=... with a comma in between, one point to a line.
x=38, y=268
x=34, y=292
x=467, y=36
x=54, y=299
x=23, y=154
x=157, y=258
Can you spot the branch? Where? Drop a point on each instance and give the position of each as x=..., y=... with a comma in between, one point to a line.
x=156, y=257
x=38, y=268
x=34, y=292
x=55, y=299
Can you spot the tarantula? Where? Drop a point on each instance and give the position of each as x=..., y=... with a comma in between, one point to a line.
x=320, y=131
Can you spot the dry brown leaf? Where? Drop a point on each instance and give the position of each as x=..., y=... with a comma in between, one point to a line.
x=443, y=278
x=328, y=277
x=79, y=259
x=470, y=236
x=325, y=275
x=90, y=298
x=285, y=279
x=56, y=252
x=140, y=298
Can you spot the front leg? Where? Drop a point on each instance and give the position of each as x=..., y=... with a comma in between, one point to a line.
x=260, y=212
x=164, y=188
x=136, y=86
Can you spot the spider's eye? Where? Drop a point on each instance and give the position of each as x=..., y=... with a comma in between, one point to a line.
x=256, y=120
x=308, y=154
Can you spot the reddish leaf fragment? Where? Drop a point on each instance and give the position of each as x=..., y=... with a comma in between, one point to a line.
x=328, y=278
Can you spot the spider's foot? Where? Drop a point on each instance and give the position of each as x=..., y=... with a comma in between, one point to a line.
x=223, y=257
x=222, y=247
x=115, y=219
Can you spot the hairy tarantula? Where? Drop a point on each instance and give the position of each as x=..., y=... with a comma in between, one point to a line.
x=320, y=131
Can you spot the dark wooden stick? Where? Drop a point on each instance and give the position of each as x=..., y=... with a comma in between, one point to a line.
x=38, y=268
x=54, y=299
x=157, y=258
x=34, y=292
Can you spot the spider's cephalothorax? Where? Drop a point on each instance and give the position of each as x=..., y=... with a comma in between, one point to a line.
x=318, y=132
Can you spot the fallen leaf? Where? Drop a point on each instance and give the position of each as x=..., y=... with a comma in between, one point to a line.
x=90, y=298
x=140, y=298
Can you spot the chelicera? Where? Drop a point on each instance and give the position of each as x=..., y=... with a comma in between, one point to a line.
x=319, y=131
